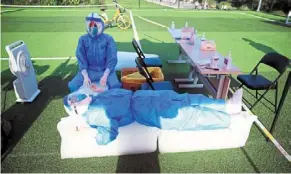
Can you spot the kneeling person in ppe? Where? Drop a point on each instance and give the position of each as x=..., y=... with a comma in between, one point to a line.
x=97, y=56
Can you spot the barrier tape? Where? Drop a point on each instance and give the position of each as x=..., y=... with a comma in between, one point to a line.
x=267, y=133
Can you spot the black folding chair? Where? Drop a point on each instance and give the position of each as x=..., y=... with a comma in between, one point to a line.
x=150, y=62
x=137, y=49
x=151, y=85
x=258, y=82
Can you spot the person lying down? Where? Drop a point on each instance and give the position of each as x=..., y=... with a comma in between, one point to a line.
x=107, y=110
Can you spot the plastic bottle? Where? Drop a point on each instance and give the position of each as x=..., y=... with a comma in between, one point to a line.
x=227, y=61
x=203, y=37
x=215, y=61
x=192, y=38
x=173, y=25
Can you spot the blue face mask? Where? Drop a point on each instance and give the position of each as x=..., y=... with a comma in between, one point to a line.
x=94, y=31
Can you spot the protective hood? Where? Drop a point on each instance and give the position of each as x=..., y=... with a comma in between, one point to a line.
x=94, y=24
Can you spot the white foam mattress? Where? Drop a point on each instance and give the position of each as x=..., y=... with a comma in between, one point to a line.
x=136, y=138
x=132, y=139
x=127, y=59
x=185, y=141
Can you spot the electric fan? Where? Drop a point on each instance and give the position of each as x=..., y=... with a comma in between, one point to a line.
x=20, y=64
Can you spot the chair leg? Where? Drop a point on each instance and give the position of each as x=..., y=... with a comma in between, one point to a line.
x=276, y=97
x=281, y=102
x=258, y=100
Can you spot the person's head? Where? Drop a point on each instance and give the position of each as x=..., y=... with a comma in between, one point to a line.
x=94, y=24
x=77, y=104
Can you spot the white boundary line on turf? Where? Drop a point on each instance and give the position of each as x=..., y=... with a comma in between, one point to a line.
x=50, y=10
x=135, y=34
x=5, y=11
x=55, y=6
x=267, y=133
x=152, y=22
x=258, y=17
x=45, y=58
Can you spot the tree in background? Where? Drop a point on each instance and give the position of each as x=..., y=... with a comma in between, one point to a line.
x=259, y=6
x=277, y=7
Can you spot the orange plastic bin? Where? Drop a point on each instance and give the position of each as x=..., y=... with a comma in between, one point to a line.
x=132, y=80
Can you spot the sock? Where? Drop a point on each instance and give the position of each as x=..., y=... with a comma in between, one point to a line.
x=234, y=104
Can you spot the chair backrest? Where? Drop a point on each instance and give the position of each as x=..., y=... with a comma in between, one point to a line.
x=137, y=49
x=144, y=71
x=277, y=61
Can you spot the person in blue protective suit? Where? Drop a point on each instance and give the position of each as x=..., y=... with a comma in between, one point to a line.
x=167, y=109
x=97, y=56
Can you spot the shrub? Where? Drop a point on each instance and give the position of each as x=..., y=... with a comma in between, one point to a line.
x=212, y=3
x=25, y=2
x=244, y=7
x=48, y=2
x=224, y=4
x=92, y=2
x=70, y=2
x=73, y=2
x=54, y=2
x=279, y=13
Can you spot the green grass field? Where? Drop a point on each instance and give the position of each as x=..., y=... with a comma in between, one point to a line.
x=54, y=33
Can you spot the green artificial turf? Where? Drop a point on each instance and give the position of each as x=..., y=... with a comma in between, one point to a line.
x=54, y=33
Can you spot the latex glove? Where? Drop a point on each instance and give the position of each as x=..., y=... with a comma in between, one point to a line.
x=87, y=81
x=103, y=80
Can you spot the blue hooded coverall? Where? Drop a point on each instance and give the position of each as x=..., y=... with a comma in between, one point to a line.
x=95, y=54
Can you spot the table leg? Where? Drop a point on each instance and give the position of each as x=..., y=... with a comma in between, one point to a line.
x=223, y=87
x=192, y=77
x=181, y=55
x=189, y=79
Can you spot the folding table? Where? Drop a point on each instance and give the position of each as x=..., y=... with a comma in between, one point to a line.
x=197, y=59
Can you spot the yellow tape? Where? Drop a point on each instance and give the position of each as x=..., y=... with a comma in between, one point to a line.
x=268, y=134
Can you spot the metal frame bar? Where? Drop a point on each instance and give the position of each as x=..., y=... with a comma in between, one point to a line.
x=281, y=102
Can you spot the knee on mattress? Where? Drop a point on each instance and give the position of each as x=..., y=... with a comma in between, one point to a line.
x=234, y=136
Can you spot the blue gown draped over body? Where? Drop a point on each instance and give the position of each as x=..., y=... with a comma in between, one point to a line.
x=166, y=110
